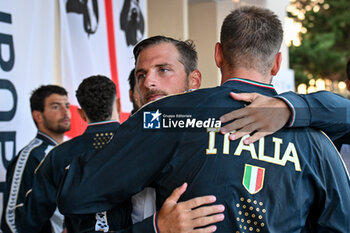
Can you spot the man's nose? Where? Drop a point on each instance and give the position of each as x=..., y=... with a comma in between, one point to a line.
x=151, y=80
x=66, y=111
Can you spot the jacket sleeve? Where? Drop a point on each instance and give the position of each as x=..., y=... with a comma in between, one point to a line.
x=331, y=209
x=6, y=212
x=322, y=110
x=19, y=182
x=40, y=202
x=129, y=163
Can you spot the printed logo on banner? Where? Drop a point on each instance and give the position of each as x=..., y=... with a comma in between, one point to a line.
x=89, y=10
x=132, y=22
x=253, y=178
x=151, y=120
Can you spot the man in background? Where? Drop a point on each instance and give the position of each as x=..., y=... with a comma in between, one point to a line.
x=134, y=95
x=97, y=97
x=50, y=111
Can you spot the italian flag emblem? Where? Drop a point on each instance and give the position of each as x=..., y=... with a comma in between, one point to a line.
x=253, y=178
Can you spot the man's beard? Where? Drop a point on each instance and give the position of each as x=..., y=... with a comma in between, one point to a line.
x=147, y=96
x=149, y=93
x=59, y=129
x=62, y=129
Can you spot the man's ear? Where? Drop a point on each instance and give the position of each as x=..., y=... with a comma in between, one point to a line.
x=195, y=79
x=119, y=107
x=219, y=57
x=82, y=114
x=347, y=84
x=276, y=64
x=37, y=116
x=130, y=96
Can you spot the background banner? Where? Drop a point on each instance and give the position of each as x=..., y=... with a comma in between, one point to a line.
x=61, y=42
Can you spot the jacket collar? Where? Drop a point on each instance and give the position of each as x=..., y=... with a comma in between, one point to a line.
x=43, y=136
x=102, y=126
x=247, y=85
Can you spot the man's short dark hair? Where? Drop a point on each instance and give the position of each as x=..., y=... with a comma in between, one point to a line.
x=39, y=95
x=131, y=80
x=96, y=96
x=187, y=50
x=348, y=69
x=251, y=37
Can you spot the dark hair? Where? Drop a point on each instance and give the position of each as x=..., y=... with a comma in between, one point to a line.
x=187, y=50
x=96, y=96
x=131, y=80
x=251, y=37
x=39, y=95
x=348, y=69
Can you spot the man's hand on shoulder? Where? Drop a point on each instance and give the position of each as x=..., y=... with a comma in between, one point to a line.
x=263, y=116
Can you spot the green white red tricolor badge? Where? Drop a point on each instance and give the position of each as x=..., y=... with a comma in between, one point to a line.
x=253, y=178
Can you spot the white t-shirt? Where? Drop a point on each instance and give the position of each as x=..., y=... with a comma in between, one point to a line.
x=345, y=154
x=143, y=204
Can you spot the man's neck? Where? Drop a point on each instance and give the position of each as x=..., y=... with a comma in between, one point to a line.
x=55, y=136
x=249, y=74
x=114, y=117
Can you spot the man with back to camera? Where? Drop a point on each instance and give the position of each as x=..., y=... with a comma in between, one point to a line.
x=97, y=98
x=50, y=111
x=276, y=185
x=265, y=115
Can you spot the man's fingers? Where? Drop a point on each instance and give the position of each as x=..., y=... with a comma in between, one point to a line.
x=204, y=221
x=237, y=124
x=176, y=194
x=256, y=136
x=198, y=201
x=206, y=210
x=205, y=230
x=245, y=97
x=246, y=130
x=236, y=114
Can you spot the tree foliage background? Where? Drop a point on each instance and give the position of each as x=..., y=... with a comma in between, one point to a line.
x=325, y=39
